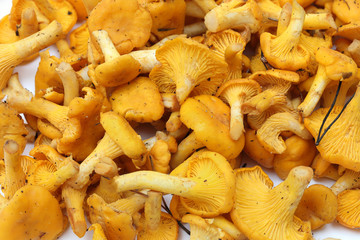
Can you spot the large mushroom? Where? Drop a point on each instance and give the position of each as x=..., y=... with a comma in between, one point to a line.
x=205, y=187
x=254, y=193
x=339, y=144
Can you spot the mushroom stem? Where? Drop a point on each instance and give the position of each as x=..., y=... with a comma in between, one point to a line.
x=236, y=119
x=146, y=58
x=64, y=48
x=13, y=54
x=292, y=188
x=317, y=88
x=161, y=182
x=107, y=46
x=206, y=5
x=105, y=148
x=74, y=200
x=152, y=210
x=70, y=82
x=185, y=149
x=14, y=174
x=195, y=29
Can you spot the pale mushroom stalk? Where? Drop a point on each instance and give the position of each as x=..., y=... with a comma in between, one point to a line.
x=193, y=10
x=105, y=148
x=74, y=200
x=22, y=100
x=146, y=58
x=185, y=148
x=354, y=50
x=13, y=54
x=237, y=118
x=316, y=90
x=14, y=175
x=152, y=210
x=236, y=13
x=161, y=182
x=349, y=180
x=206, y=5
x=233, y=57
x=107, y=47
x=195, y=29
x=70, y=82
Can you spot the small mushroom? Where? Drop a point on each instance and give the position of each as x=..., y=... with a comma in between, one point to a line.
x=117, y=69
x=317, y=205
x=195, y=70
x=209, y=118
x=234, y=14
x=333, y=66
x=349, y=180
x=148, y=108
x=236, y=92
x=275, y=84
x=348, y=208
x=299, y=152
x=127, y=23
x=285, y=51
x=268, y=134
x=254, y=193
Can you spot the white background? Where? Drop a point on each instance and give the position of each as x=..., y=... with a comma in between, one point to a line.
x=27, y=74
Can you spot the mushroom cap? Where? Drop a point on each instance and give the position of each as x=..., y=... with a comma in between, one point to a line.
x=24, y=216
x=116, y=224
x=339, y=144
x=209, y=118
x=61, y=11
x=254, y=193
x=127, y=23
x=275, y=78
x=79, y=38
x=123, y=134
x=118, y=71
x=338, y=66
x=219, y=41
x=299, y=152
x=147, y=108
x=317, y=205
x=269, y=133
x=235, y=88
x=346, y=12
x=348, y=208
x=168, y=17
x=187, y=68
x=168, y=229
x=10, y=124
x=350, y=31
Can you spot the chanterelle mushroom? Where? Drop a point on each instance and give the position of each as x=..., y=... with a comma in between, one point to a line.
x=254, y=193
x=339, y=144
x=33, y=213
x=187, y=68
x=127, y=23
x=209, y=118
x=12, y=54
x=284, y=51
x=206, y=184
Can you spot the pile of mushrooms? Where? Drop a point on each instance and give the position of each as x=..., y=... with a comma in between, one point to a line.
x=274, y=82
